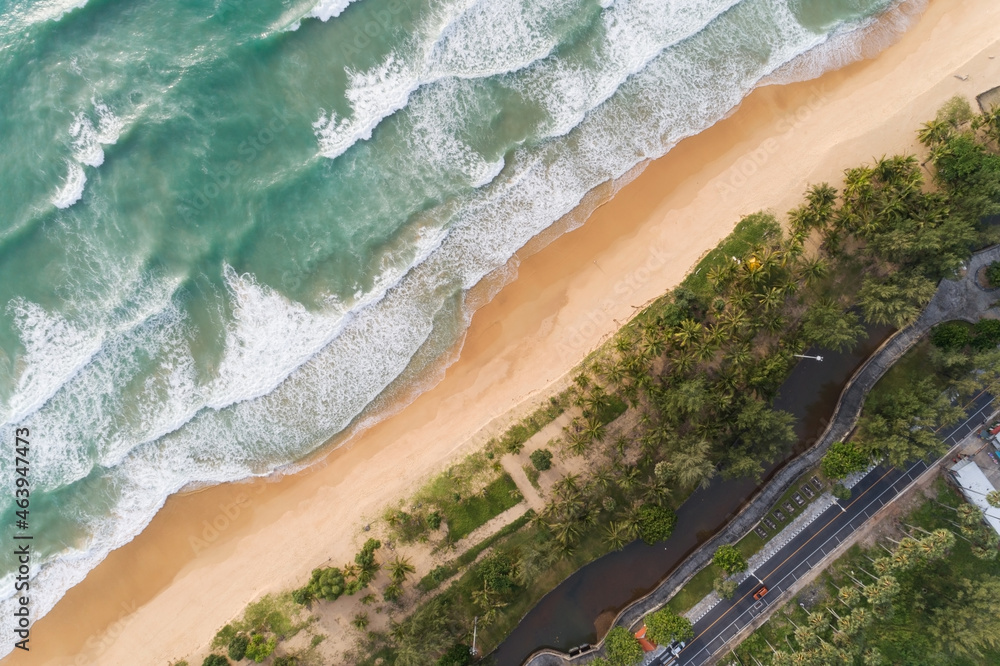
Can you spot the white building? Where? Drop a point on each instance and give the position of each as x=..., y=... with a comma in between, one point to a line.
x=975, y=486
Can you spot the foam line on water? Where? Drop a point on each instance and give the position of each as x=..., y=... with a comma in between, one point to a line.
x=652, y=109
x=458, y=46
x=72, y=186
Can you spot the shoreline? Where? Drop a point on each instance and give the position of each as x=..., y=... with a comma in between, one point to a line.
x=567, y=298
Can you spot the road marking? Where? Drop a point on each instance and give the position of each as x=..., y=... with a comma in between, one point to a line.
x=908, y=476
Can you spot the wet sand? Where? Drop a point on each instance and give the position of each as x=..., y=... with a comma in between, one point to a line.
x=207, y=554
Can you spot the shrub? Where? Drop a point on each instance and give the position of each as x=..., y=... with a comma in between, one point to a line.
x=287, y=660
x=434, y=520
x=392, y=592
x=729, y=559
x=725, y=587
x=238, y=647
x=260, y=647
x=840, y=491
x=987, y=334
x=215, y=660
x=497, y=573
x=664, y=627
x=842, y=459
x=325, y=583
x=656, y=523
x=302, y=595
x=623, y=648
x=458, y=654
x=541, y=459
x=950, y=335
x=993, y=274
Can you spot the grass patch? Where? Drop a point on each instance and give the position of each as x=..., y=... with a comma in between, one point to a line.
x=532, y=474
x=917, y=364
x=275, y=614
x=467, y=514
x=696, y=589
x=610, y=409
x=442, y=573
x=513, y=440
x=751, y=231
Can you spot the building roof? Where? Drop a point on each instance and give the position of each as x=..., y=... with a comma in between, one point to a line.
x=975, y=487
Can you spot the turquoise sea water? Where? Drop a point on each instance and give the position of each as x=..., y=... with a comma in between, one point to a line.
x=228, y=227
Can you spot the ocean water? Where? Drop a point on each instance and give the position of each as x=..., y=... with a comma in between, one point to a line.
x=227, y=227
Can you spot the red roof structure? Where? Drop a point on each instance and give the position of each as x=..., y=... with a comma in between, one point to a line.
x=640, y=636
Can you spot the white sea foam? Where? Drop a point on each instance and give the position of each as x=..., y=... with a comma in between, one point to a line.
x=71, y=190
x=851, y=43
x=497, y=36
x=54, y=351
x=373, y=95
x=88, y=141
x=148, y=456
x=328, y=9
x=49, y=10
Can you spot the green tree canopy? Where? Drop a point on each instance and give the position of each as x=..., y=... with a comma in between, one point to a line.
x=970, y=624
x=843, y=458
x=729, y=559
x=215, y=660
x=541, y=459
x=831, y=327
x=623, y=648
x=895, y=300
x=902, y=423
x=655, y=523
x=951, y=335
x=458, y=654
x=724, y=587
x=260, y=647
x=664, y=627
x=993, y=274
x=327, y=583
x=238, y=647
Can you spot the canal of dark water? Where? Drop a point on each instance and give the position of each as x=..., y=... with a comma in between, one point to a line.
x=570, y=614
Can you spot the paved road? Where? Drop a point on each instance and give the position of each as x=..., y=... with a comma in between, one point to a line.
x=807, y=549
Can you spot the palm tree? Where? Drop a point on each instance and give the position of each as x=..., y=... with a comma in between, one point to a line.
x=813, y=269
x=603, y=477
x=692, y=465
x=566, y=532
x=616, y=535
x=934, y=132
x=739, y=357
x=849, y=595
x=628, y=478
x=688, y=332
x=567, y=486
x=399, y=568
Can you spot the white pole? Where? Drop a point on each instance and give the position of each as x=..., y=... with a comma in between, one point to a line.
x=815, y=358
x=475, y=625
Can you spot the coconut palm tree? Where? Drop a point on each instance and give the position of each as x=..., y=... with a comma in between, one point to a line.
x=692, y=465
x=813, y=270
x=616, y=535
x=594, y=429
x=603, y=477
x=628, y=478
x=688, y=332
x=568, y=486
x=934, y=132
x=399, y=568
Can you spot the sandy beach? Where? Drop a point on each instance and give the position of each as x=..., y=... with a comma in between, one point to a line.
x=207, y=554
